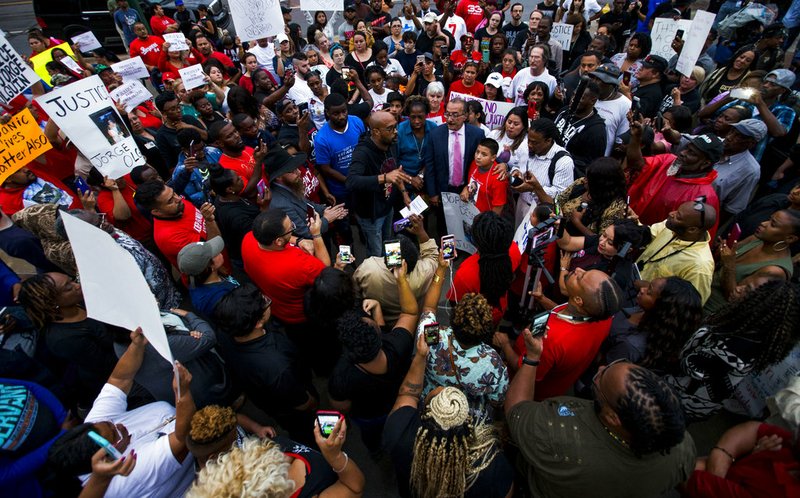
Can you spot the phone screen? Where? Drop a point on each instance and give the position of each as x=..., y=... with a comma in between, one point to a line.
x=310, y=213
x=539, y=324
x=679, y=34
x=81, y=185
x=626, y=78
x=542, y=238
x=734, y=235
x=261, y=187
x=393, y=256
x=303, y=107
x=345, y=254
x=449, y=247
x=327, y=421
x=431, y=332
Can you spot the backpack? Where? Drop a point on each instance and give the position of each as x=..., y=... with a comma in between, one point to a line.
x=551, y=171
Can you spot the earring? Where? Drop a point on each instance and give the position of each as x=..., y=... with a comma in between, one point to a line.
x=779, y=249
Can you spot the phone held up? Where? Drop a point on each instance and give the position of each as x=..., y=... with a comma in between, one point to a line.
x=539, y=324
x=327, y=421
x=345, y=255
x=449, y=247
x=392, y=255
x=431, y=332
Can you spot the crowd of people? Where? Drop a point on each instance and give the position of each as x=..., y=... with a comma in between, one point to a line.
x=629, y=266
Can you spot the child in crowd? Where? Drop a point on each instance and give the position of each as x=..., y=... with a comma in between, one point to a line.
x=484, y=188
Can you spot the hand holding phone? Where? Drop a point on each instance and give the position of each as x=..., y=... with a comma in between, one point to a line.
x=626, y=78
x=327, y=420
x=733, y=236
x=431, y=332
x=449, y=247
x=345, y=256
x=392, y=255
x=110, y=450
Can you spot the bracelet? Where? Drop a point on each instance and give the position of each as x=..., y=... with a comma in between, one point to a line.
x=437, y=278
x=346, y=461
x=316, y=236
x=733, y=459
x=564, y=269
x=526, y=361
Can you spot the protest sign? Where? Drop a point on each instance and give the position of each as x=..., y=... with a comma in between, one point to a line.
x=417, y=206
x=131, y=69
x=21, y=141
x=664, y=32
x=694, y=41
x=495, y=111
x=39, y=61
x=177, y=41
x=114, y=289
x=256, y=19
x=314, y=5
x=459, y=215
x=562, y=33
x=131, y=94
x=192, y=76
x=86, y=42
x=72, y=65
x=751, y=393
x=87, y=115
x=15, y=75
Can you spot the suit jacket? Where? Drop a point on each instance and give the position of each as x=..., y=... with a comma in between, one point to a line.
x=295, y=208
x=437, y=161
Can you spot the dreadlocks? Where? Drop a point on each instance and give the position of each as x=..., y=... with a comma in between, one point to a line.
x=493, y=235
x=38, y=296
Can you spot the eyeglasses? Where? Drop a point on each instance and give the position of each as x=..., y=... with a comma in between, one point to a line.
x=453, y=114
x=598, y=375
x=267, y=301
x=294, y=227
x=699, y=205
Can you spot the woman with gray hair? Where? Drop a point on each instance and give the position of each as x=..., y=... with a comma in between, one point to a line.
x=435, y=95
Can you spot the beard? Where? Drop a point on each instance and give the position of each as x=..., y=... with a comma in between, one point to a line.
x=298, y=187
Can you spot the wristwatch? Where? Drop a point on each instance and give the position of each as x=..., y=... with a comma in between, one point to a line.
x=533, y=363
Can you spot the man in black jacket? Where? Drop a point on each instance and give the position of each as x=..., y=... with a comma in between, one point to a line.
x=584, y=131
x=374, y=179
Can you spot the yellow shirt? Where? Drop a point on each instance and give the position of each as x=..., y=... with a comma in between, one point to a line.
x=691, y=261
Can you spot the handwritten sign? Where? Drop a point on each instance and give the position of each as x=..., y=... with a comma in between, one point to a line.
x=15, y=75
x=21, y=141
x=694, y=41
x=85, y=112
x=495, y=111
x=192, y=76
x=39, y=61
x=71, y=64
x=131, y=94
x=562, y=33
x=86, y=42
x=752, y=392
x=664, y=32
x=256, y=19
x=459, y=215
x=314, y=5
x=177, y=41
x=131, y=69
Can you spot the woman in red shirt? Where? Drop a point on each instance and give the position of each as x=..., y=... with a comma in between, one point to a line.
x=172, y=60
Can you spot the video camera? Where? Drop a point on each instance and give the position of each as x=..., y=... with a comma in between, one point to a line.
x=543, y=234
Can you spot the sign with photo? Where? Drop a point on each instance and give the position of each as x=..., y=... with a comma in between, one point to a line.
x=459, y=215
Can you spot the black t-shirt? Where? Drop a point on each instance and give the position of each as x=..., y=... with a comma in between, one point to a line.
x=358, y=65
x=690, y=100
x=319, y=474
x=235, y=220
x=407, y=61
x=167, y=141
x=399, y=434
x=512, y=31
x=374, y=395
x=425, y=42
x=585, y=139
x=649, y=99
x=549, y=11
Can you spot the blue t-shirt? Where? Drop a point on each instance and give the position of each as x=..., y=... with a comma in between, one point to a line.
x=336, y=149
x=125, y=19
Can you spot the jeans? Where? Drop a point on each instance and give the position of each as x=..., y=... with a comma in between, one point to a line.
x=375, y=231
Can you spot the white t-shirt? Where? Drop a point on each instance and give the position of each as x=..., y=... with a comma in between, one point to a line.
x=157, y=473
x=408, y=24
x=525, y=78
x=317, y=109
x=378, y=99
x=615, y=114
x=519, y=157
x=457, y=27
x=300, y=92
x=590, y=8
x=392, y=67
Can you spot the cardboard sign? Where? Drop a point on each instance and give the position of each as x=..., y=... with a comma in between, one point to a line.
x=562, y=33
x=192, y=76
x=86, y=114
x=256, y=19
x=177, y=41
x=459, y=215
x=86, y=42
x=664, y=32
x=694, y=41
x=21, y=141
x=15, y=75
x=495, y=111
x=131, y=69
x=131, y=94
x=39, y=61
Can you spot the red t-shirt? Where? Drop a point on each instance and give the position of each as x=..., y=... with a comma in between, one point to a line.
x=149, y=120
x=476, y=90
x=459, y=57
x=173, y=235
x=471, y=12
x=149, y=49
x=160, y=24
x=488, y=191
x=467, y=280
x=222, y=58
x=311, y=182
x=11, y=197
x=137, y=226
x=284, y=276
x=242, y=165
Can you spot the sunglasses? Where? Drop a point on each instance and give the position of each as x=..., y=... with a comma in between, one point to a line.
x=700, y=206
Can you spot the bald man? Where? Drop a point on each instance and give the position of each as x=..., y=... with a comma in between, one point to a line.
x=680, y=247
x=375, y=181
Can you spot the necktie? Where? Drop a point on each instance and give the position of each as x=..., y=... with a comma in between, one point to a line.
x=458, y=161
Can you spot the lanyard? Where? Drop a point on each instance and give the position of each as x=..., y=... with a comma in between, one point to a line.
x=641, y=264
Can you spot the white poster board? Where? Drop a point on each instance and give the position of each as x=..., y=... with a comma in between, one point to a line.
x=562, y=33
x=750, y=395
x=256, y=19
x=495, y=111
x=86, y=114
x=71, y=64
x=86, y=41
x=459, y=215
x=177, y=41
x=694, y=41
x=131, y=69
x=113, y=287
x=131, y=94
x=192, y=76
x=15, y=75
x=664, y=32
x=314, y=5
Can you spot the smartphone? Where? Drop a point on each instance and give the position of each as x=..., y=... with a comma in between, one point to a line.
x=288, y=73
x=431, y=332
x=420, y=59
x=734, y=235
x=449, y=247
x=103, y=443
x=485, y=55
x=541, y=239
x=626, y=78
x=327, y=421
x=82, y=186
x=515, y=181
x=532, y=110
x=346, y=72
x=392, y=255
x=302, y=107
x=539, y=324
x=191, y=149
x=445, y=52
x=636, y=110
x=345, y=255
x=659, y=122
x=400, y=225
x=310, y=213
x=261, y=187
x=679, y=34
x=742, y=93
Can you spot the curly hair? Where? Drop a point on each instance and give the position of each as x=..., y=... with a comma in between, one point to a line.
x=71, y=454
x=651, y=412
x=676, y=315
x=770, y=314
x=493, y=235
x=331, y=294
x=605, y=181
x=211, y=422
x=627, y=230
x=416, y=101
x=258, y=468
x=471, y=320
x=238, y=312
x=522, y=113
x=38, y=296
x=361, y=341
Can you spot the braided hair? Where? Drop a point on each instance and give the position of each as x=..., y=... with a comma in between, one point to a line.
x=493, y=235
x=38, y=296
x=471, y=320
x=770, y=314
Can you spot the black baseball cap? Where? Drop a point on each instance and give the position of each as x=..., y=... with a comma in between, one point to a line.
x=655, y=62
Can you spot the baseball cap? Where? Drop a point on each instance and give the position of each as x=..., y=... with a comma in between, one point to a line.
x=178, y=3
x=468, y=35
x=350, y=6
x=607, y=73
x=282, y=37
x=781, y=77
x=285, y=10
x=655, y=62
x=494, y=79
x=430, y=17
x=194, y=258
x=709, y=144
x=428, y=55
x=754, y=128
